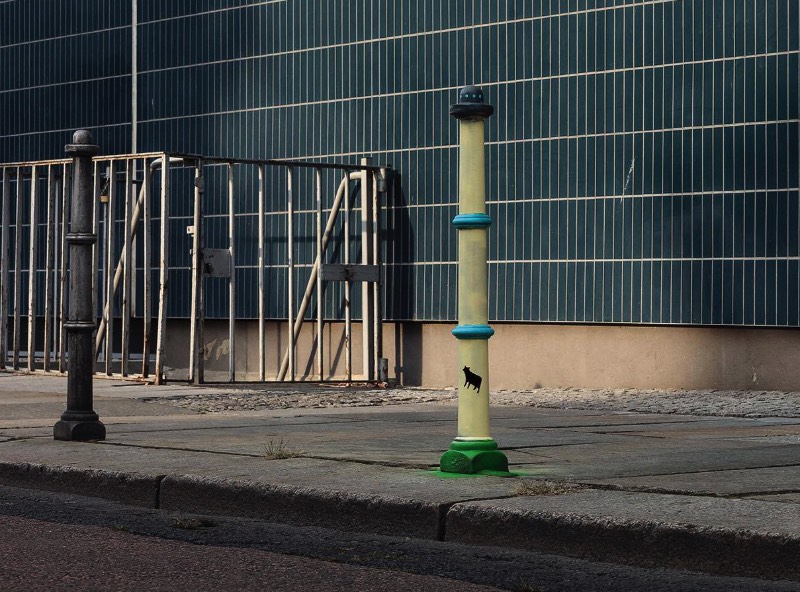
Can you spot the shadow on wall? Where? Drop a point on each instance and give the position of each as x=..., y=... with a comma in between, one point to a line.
x=400, y=284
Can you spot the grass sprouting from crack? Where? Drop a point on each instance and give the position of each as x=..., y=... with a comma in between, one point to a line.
x=533, y=488
x=279, y=450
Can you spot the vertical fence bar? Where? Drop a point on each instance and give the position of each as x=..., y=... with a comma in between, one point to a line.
x=196, y=330
x=377, y=305
x=109, y=273
x=262, y=359
x=162, y=270
x=17, y=272
x=367, y=303
x=348, y=345
x=127, y=259
x=57, y=257
x=312, y=280
x=4, y=270
x=147, y=313
x=96, y=248
x=48, y=269
x=318, y=179
x=62, y=298
x=290, y=271
x=34, y=252
x=232, y=279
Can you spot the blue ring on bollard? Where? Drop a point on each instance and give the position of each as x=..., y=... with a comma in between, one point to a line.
x=473, y=332
x=468, y=221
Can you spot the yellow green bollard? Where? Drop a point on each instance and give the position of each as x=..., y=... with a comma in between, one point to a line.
x=473, y=451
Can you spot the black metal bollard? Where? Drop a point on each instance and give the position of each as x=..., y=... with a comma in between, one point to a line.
x=79, y=421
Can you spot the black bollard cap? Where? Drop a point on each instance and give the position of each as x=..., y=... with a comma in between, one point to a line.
x=470, y=105
x=82, y=144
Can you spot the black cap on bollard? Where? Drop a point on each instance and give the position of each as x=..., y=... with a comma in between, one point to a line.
x=82, y=144
x=470, y=105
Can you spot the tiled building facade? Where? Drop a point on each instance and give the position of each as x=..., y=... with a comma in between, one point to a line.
x=643, y=156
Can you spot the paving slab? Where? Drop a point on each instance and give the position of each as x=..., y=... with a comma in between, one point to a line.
x=787, y=498
x=534, y=418
x=715, y=429
x=653, y=456
x=731, y=482
x=103, y=406
x=371, y=440
x=732, y=536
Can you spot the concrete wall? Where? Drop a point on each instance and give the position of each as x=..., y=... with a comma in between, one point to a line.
x=524, y=356
x=529, y=356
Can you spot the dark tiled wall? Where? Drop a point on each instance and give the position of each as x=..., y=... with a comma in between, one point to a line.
x=643, y=158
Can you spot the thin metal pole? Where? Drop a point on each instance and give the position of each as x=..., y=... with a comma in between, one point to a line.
x=148, y=289
x=367, y=302
x=348, y=333
x=96, y=248
x=262, y=360
x=196, y=330
x=48, y=270
x=290, y=271
x=326, y=237
x=17, y=271
x=126, y=280
x=232, y=279
x=32, y=261
x=62, y=294
x=162, y=270
x=134, y=76
x=108, y=315
x=377, y=307
x=318, y=178
x=4, y=271
x=58, y=255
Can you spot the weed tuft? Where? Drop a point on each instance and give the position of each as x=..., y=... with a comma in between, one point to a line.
x=279, y=450
x=533, y=488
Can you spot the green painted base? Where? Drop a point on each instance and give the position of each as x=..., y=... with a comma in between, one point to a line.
x=479, y=457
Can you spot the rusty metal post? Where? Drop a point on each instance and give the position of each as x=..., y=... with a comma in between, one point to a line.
x=79, y=421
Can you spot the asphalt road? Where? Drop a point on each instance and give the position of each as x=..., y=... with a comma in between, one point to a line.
x=59, y=542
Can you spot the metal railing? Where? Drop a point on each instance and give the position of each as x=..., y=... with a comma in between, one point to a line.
x=140, y=202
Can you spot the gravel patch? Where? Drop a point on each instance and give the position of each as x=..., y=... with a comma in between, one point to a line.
x=706, y=402
x=314, y=397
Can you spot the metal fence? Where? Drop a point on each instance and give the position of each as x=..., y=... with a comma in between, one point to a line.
x=199, y=237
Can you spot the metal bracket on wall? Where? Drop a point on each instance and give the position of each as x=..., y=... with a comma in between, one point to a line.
x=216, y=263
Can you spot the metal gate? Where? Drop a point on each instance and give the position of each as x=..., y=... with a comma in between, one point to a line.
x=326, y=211
x=253, y=228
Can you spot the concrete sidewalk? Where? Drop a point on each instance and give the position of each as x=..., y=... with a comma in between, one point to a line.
x=708, y=493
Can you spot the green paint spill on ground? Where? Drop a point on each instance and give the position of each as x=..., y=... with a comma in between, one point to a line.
x=443, y=475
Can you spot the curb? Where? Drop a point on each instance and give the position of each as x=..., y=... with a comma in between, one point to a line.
x=132, y=489
x=643, y=542
x=303, y=506
x=300, y=506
